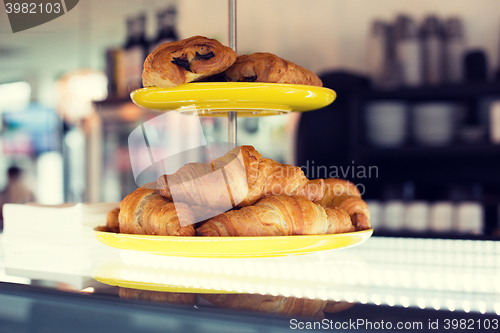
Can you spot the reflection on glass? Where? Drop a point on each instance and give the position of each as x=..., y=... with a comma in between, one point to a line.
x=279, y=305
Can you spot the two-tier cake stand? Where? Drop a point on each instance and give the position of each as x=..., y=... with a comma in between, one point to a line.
x=233, y=99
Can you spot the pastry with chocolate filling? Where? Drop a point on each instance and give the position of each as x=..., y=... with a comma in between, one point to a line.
x=187, y=60
x=267, y=67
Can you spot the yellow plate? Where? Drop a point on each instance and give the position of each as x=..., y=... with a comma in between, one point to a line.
x=232, y=247
x=247, y=98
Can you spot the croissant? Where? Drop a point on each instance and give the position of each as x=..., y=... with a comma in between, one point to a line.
x=202, y=213
x=344, y=194
x=289, y=306
x=147, y=213
x=278, y=216
x=337, y=191
x=112, y=223
x=238, y=179
x=184, y=61
x=339, y=221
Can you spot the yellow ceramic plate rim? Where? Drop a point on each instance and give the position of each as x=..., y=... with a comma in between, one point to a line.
x=249, y=98
x=233, y=247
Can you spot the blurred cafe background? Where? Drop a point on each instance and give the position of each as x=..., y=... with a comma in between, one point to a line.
x=416, y=123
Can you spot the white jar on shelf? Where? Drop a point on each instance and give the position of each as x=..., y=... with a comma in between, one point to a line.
x=375, y=208
x=394, y=215
x=417, y=216
x=386, y=123
x=442, y=216
x=434, y=123
x=470, y=217
x=454, y=50
x=408, y=51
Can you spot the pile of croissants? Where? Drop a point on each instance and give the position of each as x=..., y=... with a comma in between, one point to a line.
x=240, y=194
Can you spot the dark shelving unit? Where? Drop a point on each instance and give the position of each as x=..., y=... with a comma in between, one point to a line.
x=114, y=100
x=431, y=167
x=429, y=93
x=464, y=150
x=468, y=94
x=434, y=235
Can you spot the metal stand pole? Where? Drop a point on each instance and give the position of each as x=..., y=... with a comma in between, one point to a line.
x=232, y=122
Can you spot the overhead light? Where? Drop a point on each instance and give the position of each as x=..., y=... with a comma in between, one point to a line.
x=77, y=91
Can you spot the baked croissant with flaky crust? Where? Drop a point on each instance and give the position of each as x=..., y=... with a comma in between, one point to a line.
x=339, y=221
x=187, y=60
x=237, y=179
x=344, y=194
x=278, y=216
x=112, y=223
x=267, y=67
x=147, y=213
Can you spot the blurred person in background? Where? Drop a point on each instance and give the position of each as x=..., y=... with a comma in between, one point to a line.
x=16, y=190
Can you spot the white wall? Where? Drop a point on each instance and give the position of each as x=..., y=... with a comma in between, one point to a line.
x=325, y=34
x=317, y=34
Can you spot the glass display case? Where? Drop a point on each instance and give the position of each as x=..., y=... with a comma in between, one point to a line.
x=382, y=284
